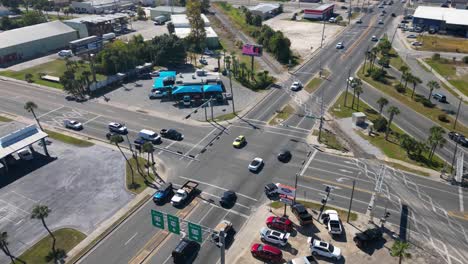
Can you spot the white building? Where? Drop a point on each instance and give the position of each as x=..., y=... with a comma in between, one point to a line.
x=181, y=21
x=182, y=29
x=99, y=6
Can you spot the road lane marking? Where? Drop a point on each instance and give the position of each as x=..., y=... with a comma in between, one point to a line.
x=201, y=140
x=308, y=162
x=271, y=132
x=269, y=107
x=130, y=239
x=221, y=188
x=206, y=214
x=460, y=195
x=338, y=184
x=51, y=111
x=239, y=204
x=346, y=171
x=92, y=119
x=167, y=147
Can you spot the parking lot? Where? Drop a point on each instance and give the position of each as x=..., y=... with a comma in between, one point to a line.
x=82, y=187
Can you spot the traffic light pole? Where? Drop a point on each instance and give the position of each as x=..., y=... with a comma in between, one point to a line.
x=222, y=246
x=351, y=201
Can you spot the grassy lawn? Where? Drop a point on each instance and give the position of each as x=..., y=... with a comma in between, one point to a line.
x=330, y=140
x=391, y=147
x=67, y=238
x=395, y=60
x=316, y=206
x=448, y=69
x=236, y=16
x=448, y=44
x=282, y=115
x=5, y=119
x=423, y=66
x=431, y=113
x=68, y=139
x=54, y=68
x=225, y=117
x=315, y=83
x=404, y=168
x=141, y=180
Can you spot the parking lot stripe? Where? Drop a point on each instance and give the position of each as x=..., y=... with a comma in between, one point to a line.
x=221, y=188
x=92, y=119
x=51, y=111
x=19, y=194
x=14, y=206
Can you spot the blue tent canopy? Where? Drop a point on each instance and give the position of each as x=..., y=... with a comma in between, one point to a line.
x=187, y=89
x=158, y=83
x=212, y=88
x=163, y=74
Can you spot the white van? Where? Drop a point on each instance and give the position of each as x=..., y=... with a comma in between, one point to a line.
x=65, y=53
x=108, y=36
x=150, y=136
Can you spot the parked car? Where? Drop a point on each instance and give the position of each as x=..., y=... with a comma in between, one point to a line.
x=273, y=236
x=339, y=45
x=187, y=100
x=284, y=155
x=296, y=86
x=149, y=135
x=25, y=154
x=157, y=94
x=266, y=252
x=171, y=134
x=224, y=225
x=322, y=248
x=302, y=214
x=70, y=98
x=164, y=193
x=239, y=141
x=118, y=128
x=72, y=124
x=359, y=21
x=186, y=251
x=416, y=43
x=138, y=142
x=393, y=15
x=332, y=220
x=279, y=223
x=440, y=97
x=380, y=22
x=332, y=20
x=373, y=38
x=271, y=191
x=303, y=260
x=65, y=53
x=228, y=199
x=364, y=239
x=255, y=164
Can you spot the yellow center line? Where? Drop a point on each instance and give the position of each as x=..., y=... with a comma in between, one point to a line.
x=338, y=184
x=348, y=52
x=459, y=215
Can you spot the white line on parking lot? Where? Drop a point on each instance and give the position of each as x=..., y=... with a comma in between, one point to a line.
x=221, y=188
x=51, y=111
x=19, y=194
x=1, y=200
x=460, y=193
x=92, y=119
x=130, y=239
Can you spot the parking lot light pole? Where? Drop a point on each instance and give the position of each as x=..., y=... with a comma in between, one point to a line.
x=232, y=94
x=222, y=246
x=351, y=201
x=458, y=111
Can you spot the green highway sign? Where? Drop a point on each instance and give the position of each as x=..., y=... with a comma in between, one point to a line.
x=195, y=232
x=173, y=224
x=157, y=219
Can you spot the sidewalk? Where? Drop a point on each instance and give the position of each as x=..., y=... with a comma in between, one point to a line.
x=345, y=124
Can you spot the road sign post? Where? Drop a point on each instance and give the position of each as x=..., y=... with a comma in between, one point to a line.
x=195, y=232
x=157, y=218
x=173, y=224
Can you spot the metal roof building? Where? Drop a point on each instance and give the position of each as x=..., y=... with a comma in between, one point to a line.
x=98, y=24
x=33, y=41
x=265, y=10
x=447, y=19
x=166, y=11
x=99, y=6
x=181, y=21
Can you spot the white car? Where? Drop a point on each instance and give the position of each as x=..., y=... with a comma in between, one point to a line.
x=72, y=124
x=332, y=20
x=296, y=86
x=339, y=45
x=380, y=22
x=65, y=53
x=324, y=249
x=416, y=43
x=25, y=154
x=256, y=164
x=374, y=38
x=332, y=220
x=117, y=128
x=351, y=82
x=412, y=36
x=273, y=236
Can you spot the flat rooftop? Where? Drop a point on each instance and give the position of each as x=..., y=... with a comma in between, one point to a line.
x=97, y=18
x=449, y=15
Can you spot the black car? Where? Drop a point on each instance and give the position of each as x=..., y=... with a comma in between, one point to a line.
x=364, y=239
x=228, y=199
x=284, y=155
x=186, y=251
x=110, y=134
x=171, y=134
x=70, y=98
x=459, y=138
x=393, y=15
x=139, y=142
x=302, y=214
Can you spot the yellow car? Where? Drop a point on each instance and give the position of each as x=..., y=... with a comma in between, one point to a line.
x=239, y=141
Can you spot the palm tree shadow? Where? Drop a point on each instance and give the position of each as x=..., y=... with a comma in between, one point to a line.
x=247, y=122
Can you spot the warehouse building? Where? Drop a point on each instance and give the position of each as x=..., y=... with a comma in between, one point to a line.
x=266, y=11
x=98, y=25
x=166, y=11
x=30, y=42
x=182, y=30
x=322, y=12
x=100, y=6
x=449, y=20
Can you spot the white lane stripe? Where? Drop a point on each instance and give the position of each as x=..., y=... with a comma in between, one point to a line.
x=198, y=143
x=308, y=162
x=92, y=119
x=221, y=188
x=266, y=131
x=239, y=204
x=130, y=239
x=51, y=111
x=460, y=195
x=272, y=104
x=206, y=214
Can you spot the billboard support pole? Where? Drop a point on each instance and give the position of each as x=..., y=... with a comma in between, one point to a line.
x=252, y=67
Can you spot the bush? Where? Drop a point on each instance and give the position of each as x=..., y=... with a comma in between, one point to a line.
x=436, y=56
x=377, y=74
x=427, y=103
x=239, y=44
x=380, y=124
x=465, y=59
x=443, y=118
x=400, y=88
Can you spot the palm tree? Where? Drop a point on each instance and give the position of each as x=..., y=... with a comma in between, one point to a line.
x=30, y=106
x=415, y=81
x=116, y=139
x=399, y=249
x=403, y=69
x=243, y=67
x=382, y=102
x=432, y=85
x=436, y=139
x=148, y=148
x=4, y=246
x=392, y=111
x=407, y=76
x=41, y=212
x=358, y=91
x=355, y=83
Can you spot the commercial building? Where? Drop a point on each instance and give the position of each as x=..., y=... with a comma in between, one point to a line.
x=182, y=30
x=449, y=20
x=98, y=25
x=322, y=12
x=100, y=6
x=33, y=41
x=166, y=11
x=4, y=11
x=266, y=11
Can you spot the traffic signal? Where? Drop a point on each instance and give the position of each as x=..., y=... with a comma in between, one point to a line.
x=387, y=215
x=324, y=201
x=327, y=189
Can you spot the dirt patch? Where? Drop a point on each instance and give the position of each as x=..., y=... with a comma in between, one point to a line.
x=461, y=71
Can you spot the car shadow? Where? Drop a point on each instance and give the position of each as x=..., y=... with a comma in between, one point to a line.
x=307, y=230
x=329, y=260
x=341, y=237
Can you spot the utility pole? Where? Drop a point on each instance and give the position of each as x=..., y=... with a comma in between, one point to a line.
x=222, y=246
x=347, y=86
x=349, y=13
x=351, y=201
x=211, y=105
x=454, y=155
x=377, y=190
x=321, y=118
x=321, y=46
x=458, y=111
x=232, y=94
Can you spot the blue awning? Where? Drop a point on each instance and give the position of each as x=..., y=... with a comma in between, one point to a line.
x=163, y=74
x=187, y=89
x=212, y=88
x=158, y=83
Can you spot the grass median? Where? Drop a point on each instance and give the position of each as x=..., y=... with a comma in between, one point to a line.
x=316, y=206
x=452, y=71
x=141, y=178
x=282, y=115
x=330, y=140
x=66, y=239
x=68, y=139
x=315, y=83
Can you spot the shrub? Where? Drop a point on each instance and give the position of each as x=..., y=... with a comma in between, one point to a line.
x=239, y=44
x=378, y=75
x=380, y=124
x=400, y=88
x=427, y=103
x=28, y=77
x=436, y=56
x=443, y=118
x=465, y=59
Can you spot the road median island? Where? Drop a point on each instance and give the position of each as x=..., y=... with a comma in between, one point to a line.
x=315, y=83
x=281, y=115
x=68, y=139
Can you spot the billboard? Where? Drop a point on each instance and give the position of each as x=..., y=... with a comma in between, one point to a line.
x=285, y=190
x=252, y=50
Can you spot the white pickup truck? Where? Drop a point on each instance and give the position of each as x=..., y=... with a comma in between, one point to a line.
x=184, y=193
x=331, y=219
